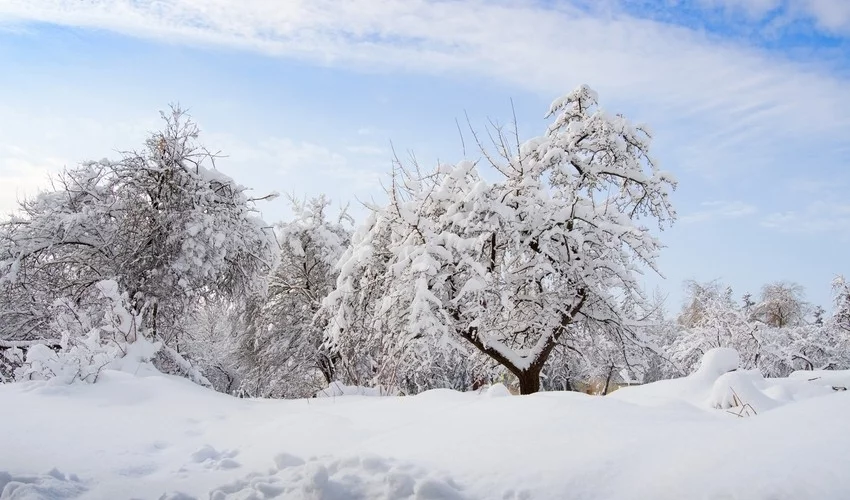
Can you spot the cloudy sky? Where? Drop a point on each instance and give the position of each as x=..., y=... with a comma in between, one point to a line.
x=749, y=101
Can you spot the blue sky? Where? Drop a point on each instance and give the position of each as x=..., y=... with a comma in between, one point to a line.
x=749, y=101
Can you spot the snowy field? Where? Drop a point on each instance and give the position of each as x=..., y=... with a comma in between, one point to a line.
x=154, y=436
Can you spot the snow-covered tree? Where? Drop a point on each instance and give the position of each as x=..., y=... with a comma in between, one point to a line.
x=711, y=318
x=281, y=352
x=162, y=222
x=841, y=305
x=663, y=334
x=773, y=337
x=508, y=268
x=818, y=315
x=782, y=304
x=211, y=340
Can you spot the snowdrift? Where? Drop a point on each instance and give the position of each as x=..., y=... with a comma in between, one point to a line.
x=719, y=383
x=336, y=389
x=161, y=437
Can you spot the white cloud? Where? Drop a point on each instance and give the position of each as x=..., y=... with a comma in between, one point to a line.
x=740, y=97
x=367, y=150
x=36, y=142
x=818, y=216
x=713, y=210
x=297, y=167
x=280, y=154
x=832, y=16
x=23, y=174
x=753, y=8
x=366, y=131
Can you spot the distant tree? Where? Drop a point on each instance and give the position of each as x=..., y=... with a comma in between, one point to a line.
x=774, y=337
x=711, y=318
x=841, y=304
x=782, y=304
x=509, y=268
x=818, y=314
x=703, y=301
x=748, y=304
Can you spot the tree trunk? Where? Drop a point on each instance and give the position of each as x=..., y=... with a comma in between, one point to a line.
x=529, y=381
x=529, y=378
x=325, y=363
x=608, y=380
x=153, y=320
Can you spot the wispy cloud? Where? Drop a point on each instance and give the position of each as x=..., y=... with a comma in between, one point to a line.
x=370, y=131
x=367, y=150
x=280, y=154
x=816, y=217
x=831, y=16
x=713, y=210
x=721, y=105
x=25, y=173
x=343, y=172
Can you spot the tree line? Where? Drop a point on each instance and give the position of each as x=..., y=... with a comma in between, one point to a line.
x=455, y=281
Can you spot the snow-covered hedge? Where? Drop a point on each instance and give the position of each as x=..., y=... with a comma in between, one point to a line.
x=104, y=333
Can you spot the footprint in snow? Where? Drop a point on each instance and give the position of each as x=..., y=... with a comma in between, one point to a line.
x=210, y=458
x=139, y=470
x=177, y=495
x=354, y=478
x=157, y=446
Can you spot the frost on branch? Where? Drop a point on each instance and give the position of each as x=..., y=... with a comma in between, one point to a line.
x=508, y=268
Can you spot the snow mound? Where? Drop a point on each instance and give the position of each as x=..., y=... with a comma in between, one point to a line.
x=719, y=384
x=718, y=361
x=695, y=388
x=354, y=478
x=336, y=389
x=738, y=390
x=839, y=379
x=53, y=485
x=497, y=391
x=210, y=458
x=177, y=495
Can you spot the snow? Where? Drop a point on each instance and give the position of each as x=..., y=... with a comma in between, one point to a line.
x=336, y=389
x=695, y=388
x=720, y=384
x=54, y=484
x=833, y=378
x=149, y=435
x=497, y=391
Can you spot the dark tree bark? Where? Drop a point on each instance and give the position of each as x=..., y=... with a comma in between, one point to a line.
x=529, y=377
x=608, y=380
x=529, y=381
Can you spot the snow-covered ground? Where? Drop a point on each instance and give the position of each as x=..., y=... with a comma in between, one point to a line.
x=156, y=436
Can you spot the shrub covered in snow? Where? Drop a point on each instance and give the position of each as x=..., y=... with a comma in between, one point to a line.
x=162, y=223
x=101, y=334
